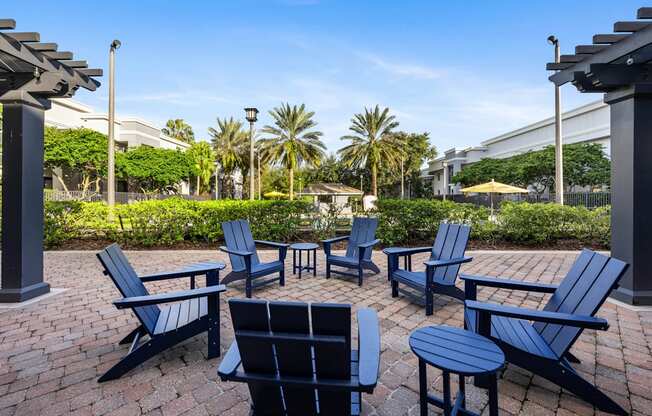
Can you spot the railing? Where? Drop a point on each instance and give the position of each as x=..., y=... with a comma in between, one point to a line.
x=585, y=199
x=120, y=197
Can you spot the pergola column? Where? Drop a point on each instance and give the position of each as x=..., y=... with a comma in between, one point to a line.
x=631, y=188
x=22, y=202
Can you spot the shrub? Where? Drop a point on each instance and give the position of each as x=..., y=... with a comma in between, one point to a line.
x=401, y=221
x=59, y=222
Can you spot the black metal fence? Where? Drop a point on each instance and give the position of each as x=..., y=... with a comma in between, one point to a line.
x=585, y=199
x=120, y=197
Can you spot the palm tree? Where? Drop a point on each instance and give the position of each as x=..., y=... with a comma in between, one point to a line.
x=373, y=144
x=230, y=143
x=292, y=141
x=203, y=163
x=180, y=130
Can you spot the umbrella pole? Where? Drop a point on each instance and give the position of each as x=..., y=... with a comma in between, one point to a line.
x=491, y=201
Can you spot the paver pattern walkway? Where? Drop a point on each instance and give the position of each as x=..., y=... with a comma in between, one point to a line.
x=52, y=352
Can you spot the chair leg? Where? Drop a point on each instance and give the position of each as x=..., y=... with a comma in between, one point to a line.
x=394, y=288
x=141, y=354
x=572, y=358
x=360, y=275
x=566, y=377
x=130, y=337
x=328, y=270
x=370, y=265
x=429, y=302
x=281, y=275
x=213, y=326
x=248, y=287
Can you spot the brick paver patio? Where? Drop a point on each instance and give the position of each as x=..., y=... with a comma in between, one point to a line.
x=52, y=352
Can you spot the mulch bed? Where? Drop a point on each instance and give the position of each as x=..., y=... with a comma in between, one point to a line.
x=99, y=243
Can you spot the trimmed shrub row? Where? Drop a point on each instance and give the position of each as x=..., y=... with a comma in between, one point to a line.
x=166, y=222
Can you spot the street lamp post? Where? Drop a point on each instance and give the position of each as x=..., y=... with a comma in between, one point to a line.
x=111, y=150
x=260, y=189
x=252, y=116
x=559, y=151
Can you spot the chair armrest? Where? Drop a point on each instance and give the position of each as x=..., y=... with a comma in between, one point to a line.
x=135, y=301
x=449, y=262
x=190, y=270
x=581, y=321
x=405, y=251
x=271, y=244
x=236, y=252
x=335, y=239
x=369, y=347
x=230, y=362
x=369, y=243
x=508, y=284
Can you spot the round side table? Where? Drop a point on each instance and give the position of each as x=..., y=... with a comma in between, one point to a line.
x=458, y=351
x=297, y=257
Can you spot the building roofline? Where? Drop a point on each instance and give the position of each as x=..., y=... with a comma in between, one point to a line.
x=586, y=108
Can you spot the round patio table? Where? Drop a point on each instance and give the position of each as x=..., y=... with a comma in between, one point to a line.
x=458, y=351
x=297, y=257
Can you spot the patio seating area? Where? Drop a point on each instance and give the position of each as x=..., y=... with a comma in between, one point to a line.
x=53, y=351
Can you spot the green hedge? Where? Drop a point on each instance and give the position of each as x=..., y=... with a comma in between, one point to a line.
x=401, y=222
x=518, y=222
x=152, y=223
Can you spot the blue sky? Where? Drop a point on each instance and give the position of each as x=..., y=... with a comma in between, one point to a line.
x=463, y=71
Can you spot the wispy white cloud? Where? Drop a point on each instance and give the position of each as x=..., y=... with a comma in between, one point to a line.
x=402, y=69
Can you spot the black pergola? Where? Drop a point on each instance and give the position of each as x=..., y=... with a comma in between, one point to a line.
x=620, y=66
x=31, y=73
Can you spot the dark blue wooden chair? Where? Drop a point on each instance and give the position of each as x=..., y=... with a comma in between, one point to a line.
x=245, y=264
x=358, y=251
x=196, y=310
x=543, y=347
x=446, y=257
x=295, y=368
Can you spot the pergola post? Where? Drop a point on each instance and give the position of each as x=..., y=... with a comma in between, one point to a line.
x=631, y=187
x=22, y=202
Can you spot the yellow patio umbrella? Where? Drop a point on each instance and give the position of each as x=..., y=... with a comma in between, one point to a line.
x=275, y=195
x=494, y=187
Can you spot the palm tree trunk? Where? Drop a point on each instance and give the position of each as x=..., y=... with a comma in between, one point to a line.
x=291, y=184
x=198, y=184
x=374, y=184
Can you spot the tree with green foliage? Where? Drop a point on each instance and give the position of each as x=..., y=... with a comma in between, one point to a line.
x=585, y=164
x=154, y=170
x=292, y=142
x=203, y=164
x=230, y=143
x=76, y=150
x=373, y=144
x=180, y=130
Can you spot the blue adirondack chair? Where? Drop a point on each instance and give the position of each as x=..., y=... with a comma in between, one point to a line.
x=544, y=347
x=197, y=310
x=446, y=256
x=245, y=264
x=295, y=368
x=358, y=251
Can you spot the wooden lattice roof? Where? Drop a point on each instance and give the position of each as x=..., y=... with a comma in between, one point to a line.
x=613, y=60
x=330, y=189
x=38, y=68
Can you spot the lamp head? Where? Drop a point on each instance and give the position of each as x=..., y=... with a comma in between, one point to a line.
x=251, y=114
x=116, y=44
x=552, y=39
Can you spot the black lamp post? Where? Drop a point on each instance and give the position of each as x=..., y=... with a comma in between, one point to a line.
x=251, y=114
x=559, y=157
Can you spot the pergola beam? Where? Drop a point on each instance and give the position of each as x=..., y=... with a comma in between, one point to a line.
x=75, y=64
x=7, y=24
x=92, y=72
x=58, y=55
x=620, y=27
x=644, y=13
x=589, y=49
x=608, y=39
x=25, y=36
x=44, y=47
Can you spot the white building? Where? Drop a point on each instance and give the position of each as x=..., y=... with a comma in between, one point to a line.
x=129, y=131
x=588, y=123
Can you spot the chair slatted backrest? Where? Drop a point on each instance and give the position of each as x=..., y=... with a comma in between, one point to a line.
x=584, y=289
x=276, y=352
x=362, y=231
x=126, y=280
x=450, y=243
x=237, y=236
